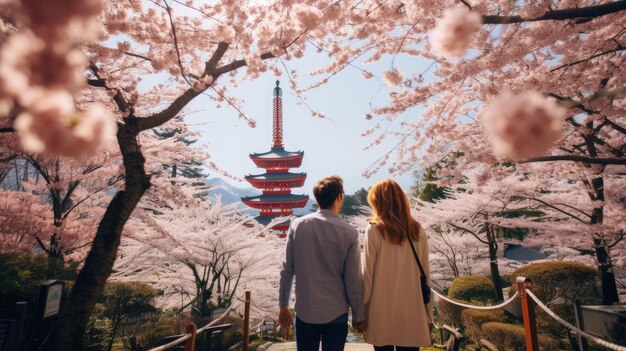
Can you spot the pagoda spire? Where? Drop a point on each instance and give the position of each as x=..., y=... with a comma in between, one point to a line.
x=278, y=117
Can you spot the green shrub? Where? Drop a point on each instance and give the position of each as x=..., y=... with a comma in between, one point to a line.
x=449, y=314
x=22, y=274
x=548, y=325
x=474, y=319
x=477, y=290
x=565, y=280
x=512, y=337
x=558, y=284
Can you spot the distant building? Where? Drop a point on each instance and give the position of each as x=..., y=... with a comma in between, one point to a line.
x=277, y=182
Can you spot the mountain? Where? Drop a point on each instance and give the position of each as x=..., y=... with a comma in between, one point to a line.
x=232, y=194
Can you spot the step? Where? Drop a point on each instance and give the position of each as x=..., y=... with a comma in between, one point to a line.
x=289, y=346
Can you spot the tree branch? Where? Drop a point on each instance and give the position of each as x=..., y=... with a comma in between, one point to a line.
x=617, y=49
x=578, y=158
x=468, y=231
x=565, y=14
x=180, y=63
x=7, y=130
x=238, y=64
x=555, y=208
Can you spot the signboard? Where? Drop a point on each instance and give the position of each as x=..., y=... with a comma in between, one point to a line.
x=268, y=327
x=51, y=298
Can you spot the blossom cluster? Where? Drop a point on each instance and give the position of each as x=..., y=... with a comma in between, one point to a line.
x=40, y=69
x=523, y=126
x=453, y=34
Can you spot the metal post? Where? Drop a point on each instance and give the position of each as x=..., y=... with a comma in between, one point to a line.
x=133, y=343
x=246, y=322
x=528, y=313
x=582, y=341
x=190, y=344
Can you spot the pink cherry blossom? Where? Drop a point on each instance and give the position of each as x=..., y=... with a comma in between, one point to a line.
x=453, y=34
x=393, y=77
x=50, y=122
x=308, y=17
x=523, y=126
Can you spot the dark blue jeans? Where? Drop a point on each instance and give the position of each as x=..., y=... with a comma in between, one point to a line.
x=332, y=335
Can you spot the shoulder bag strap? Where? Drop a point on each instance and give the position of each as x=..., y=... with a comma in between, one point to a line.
x=415, y=255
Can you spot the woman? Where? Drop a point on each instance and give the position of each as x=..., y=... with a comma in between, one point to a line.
x=396, y=314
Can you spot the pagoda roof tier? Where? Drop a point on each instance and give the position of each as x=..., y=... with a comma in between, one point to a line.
x=276, y=176
x=277, y=153
x=276, y=201
x=277, y=179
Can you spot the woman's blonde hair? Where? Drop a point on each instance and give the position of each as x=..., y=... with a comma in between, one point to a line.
x=392, y=212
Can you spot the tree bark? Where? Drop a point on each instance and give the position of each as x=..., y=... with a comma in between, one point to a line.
x=605, y=264
x=493, y=264
x=69, y=330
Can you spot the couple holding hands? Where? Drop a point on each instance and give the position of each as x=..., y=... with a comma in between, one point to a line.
x=385, y=294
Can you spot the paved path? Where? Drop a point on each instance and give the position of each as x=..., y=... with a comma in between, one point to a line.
x=289, y=346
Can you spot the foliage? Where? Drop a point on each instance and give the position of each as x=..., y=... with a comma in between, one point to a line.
x=21, y=275
x=473, y=288
x=352, y=204
x=566, y=280
x=98, y=333
x=511, y=337
x=474, y=319
x=476, y=290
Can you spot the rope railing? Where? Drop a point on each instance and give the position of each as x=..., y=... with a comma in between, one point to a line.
x=191, y=332
x=485, y=308
x=597, y=340
x=173, y=343
x=217, y=320
x=527, y=298
x=262, y=309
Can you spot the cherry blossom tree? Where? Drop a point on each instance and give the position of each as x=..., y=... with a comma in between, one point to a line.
x=568, y=219
x=18, y=231
x=476, y=210
x=209, y=249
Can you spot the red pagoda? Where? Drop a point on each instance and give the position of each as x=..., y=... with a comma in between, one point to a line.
x=276, y=183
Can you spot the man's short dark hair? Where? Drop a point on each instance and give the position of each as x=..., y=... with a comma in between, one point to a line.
x=327, y=190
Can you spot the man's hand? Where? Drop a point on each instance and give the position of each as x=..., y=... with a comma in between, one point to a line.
x=285, y=321
x=360, y=326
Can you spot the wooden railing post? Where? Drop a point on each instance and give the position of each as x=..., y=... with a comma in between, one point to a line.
x=246, y=322
x=190, y=344
x=528, y=313
x=582, y=341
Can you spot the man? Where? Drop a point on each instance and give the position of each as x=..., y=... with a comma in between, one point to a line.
x=323, y=254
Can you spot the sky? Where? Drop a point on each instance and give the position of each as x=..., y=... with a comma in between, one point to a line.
x=332, y=145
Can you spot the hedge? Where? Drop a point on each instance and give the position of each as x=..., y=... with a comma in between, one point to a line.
x=475, y=290
x=512, y=337
x=474, y=319
x=558, y=284
x=566, y=280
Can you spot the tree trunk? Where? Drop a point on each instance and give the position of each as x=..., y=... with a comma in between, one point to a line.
x=605, y=266
x=68, y=332
x=495, y=272
x=493, y=261
x=607, y=277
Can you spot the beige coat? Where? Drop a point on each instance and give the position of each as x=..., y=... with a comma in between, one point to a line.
x=396, y=314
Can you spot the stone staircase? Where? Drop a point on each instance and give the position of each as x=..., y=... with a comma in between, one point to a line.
x=289, y=346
